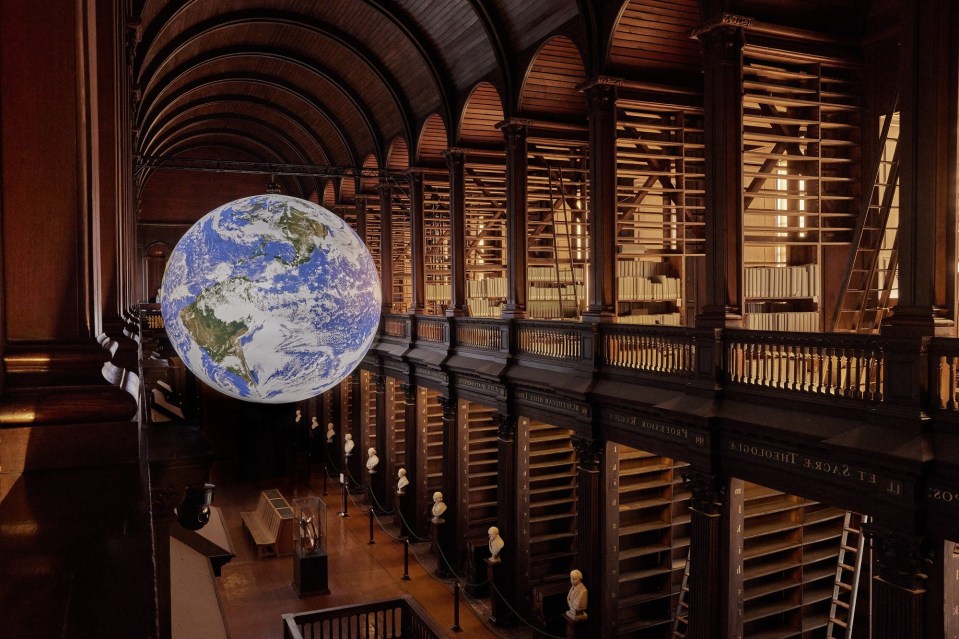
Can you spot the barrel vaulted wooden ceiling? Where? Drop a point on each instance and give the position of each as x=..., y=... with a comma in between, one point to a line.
x=390, y=83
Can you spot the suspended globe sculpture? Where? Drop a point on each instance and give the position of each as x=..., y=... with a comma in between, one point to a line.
x=271, y=299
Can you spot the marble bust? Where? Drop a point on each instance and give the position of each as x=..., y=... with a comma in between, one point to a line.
x=438, y=508
x=348, y=444
x=330, y=433
x=496, y=544
x=371, y=460
x=401, y=481
x=576, y=598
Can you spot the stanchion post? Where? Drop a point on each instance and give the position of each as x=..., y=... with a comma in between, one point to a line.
x=371, y=528
x=406, y=559
x=326, y=471
x=456, y=606
x=346, y=494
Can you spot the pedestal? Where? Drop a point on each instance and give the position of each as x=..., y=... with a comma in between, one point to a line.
x=500, y=613
x=310, y=573
x=439, y=532
x=577, y=627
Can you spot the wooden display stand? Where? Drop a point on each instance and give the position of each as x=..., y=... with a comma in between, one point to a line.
x=310, y=573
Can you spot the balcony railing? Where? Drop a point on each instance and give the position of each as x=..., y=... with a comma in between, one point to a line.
x=401, y=617
x=846, y=366
x=664, y=350
x=481, y=334
x=432, y=329
x=550, y=340
x=849, y=366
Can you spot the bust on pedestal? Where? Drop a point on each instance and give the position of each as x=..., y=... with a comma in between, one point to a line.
x=401, y=482
x=371, y=460
x=496, y=544
x=330, y=433
x=576, y=599
x=438, y=508
x=348, y=445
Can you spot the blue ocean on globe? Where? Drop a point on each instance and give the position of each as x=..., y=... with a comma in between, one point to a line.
x=271, y=299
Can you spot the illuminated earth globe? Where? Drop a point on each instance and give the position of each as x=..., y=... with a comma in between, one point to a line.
x=271, y=299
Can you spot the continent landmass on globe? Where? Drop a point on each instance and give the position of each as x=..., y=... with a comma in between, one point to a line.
x=218, y=338
x=298, y=228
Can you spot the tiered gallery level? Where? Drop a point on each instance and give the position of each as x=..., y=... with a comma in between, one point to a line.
x=669, y=297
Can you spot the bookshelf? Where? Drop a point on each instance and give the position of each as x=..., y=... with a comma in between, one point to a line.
x=557, y=228
x=485, y=213
x=660, y=213
x=436, y=222
x=800, y=153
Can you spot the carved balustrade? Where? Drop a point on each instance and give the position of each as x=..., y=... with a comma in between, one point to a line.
x=432, y=329
x=835, y=365
x=397, y=326
x=944, y=374
x=551, y=340
x=651, y=349
x=481, y=334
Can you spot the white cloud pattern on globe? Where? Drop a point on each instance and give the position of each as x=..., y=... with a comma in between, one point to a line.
x=271, y=299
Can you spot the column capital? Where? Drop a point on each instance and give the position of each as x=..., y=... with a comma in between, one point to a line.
x=588, y=451
x=708, y=491
x=902, y=560
x=600, y=97
x=505, y=425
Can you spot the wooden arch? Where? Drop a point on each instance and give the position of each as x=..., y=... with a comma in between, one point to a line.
x=550, y=87
x=433, y=141
x=482, y=112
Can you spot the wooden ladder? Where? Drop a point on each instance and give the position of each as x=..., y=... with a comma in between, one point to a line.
x=842, y=612
x=873, y=260
x=681, y=621
x=563, y=251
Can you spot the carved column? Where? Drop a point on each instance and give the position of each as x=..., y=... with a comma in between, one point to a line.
x=590, y=525
x=361, y=218
x=448, y=534
x=379, y=481
x=504, y=584
x=334, y=448
x=516, y=222
x=407, y=502
x=715, y=583
x=355, y=463
x=386, y=245
x=601, y=105
x=722, y=46
x=418, y=244
x=927, y=166
x=899, y=587
x=456, y=161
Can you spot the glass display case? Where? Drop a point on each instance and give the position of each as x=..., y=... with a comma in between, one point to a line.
x=309, y=530
x=310, y=565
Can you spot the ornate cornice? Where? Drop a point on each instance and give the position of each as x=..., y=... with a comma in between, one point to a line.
x=723, y=20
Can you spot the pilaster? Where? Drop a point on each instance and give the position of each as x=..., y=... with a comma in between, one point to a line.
x=516, y=221
x=601, y=105
x=722, y=46
x=456, y=162
x=417, y=244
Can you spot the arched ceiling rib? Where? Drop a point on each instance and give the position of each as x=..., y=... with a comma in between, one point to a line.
x=278, y=89
x=282, y=118
x=337, y=47
x=262, y=60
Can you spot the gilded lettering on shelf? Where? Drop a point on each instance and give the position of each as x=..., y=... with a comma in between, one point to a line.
x=813, y=465
x=676, y=432
x=554, y=402
x=484, y=386
x=944, y=495
x=425, y=372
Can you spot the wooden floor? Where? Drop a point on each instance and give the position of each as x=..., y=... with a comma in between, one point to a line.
x=255, y=593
